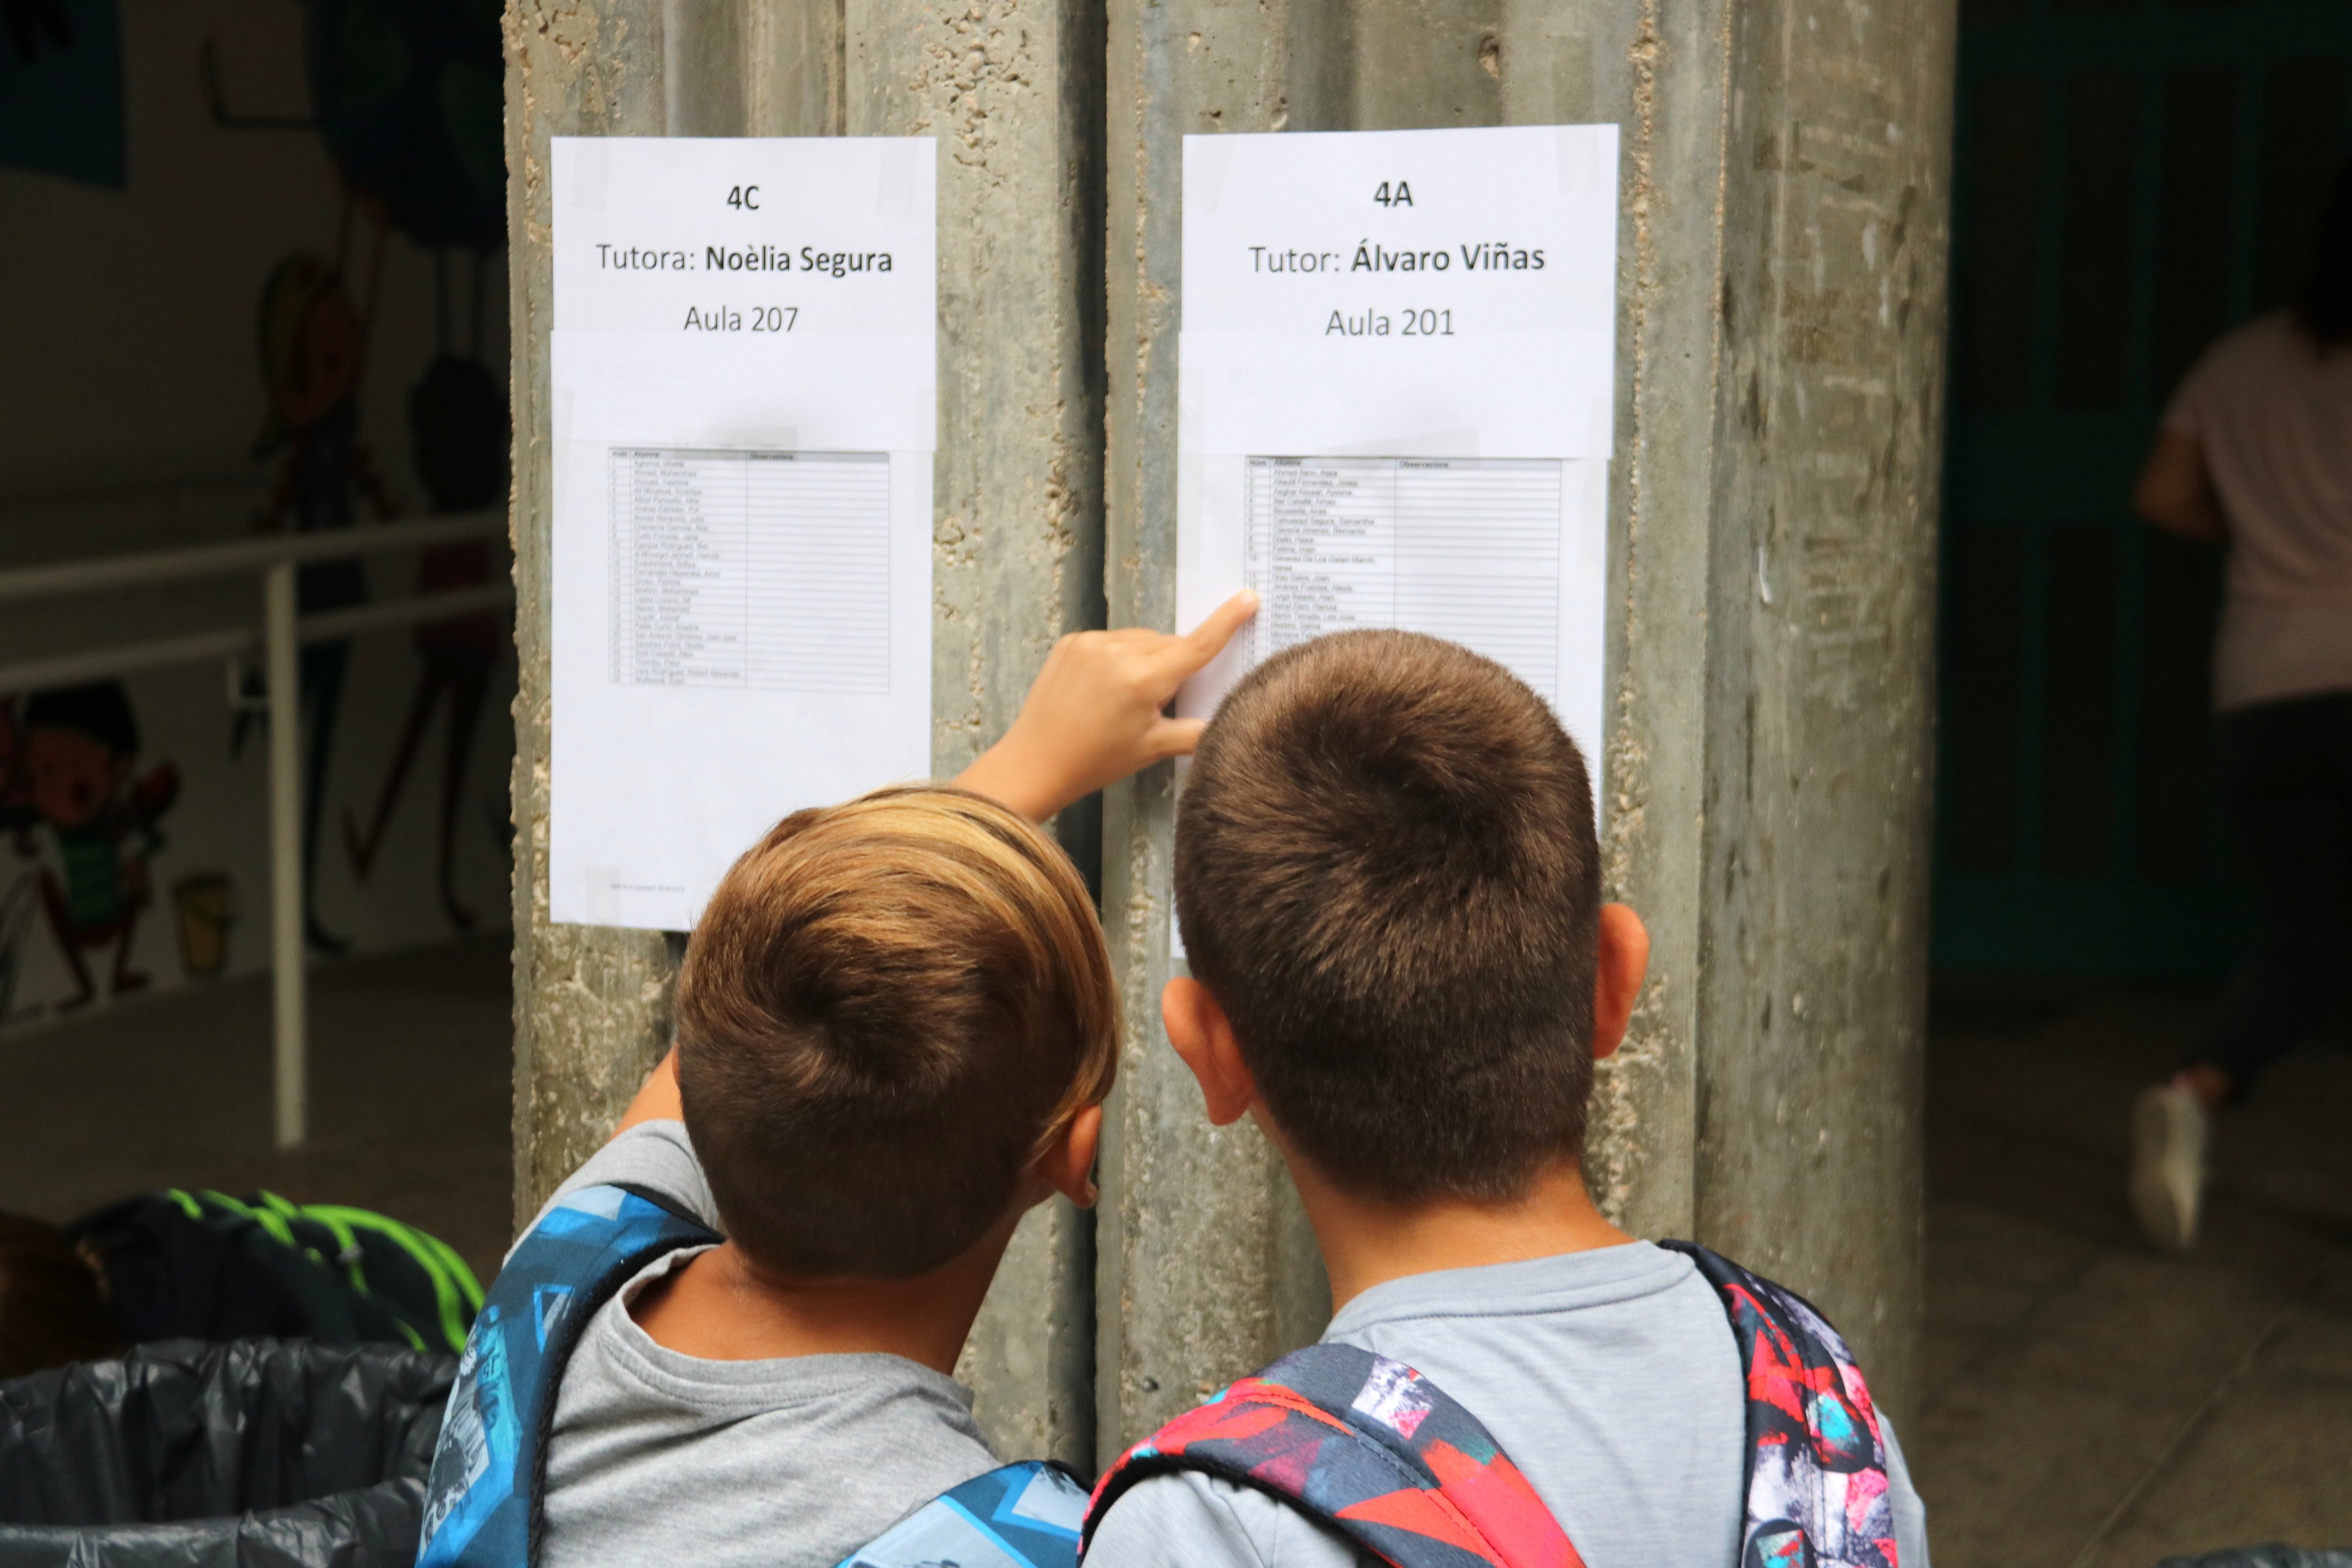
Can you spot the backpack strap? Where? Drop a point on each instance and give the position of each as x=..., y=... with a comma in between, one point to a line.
x=485, y=1496
x=1817, y=1488
x=1026, y=1515
x=1369, y=1445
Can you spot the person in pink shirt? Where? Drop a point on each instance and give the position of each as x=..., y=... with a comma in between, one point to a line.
x=2256, y=453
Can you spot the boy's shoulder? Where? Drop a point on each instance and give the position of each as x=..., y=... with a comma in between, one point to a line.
x=1577, y=1362
x=1531, y=1293
x=1622, y=1377
x=827, y=1449
x=834, y=1457
x=489, y=1470
x=560, y=1383
x=653, y=1157
x=1192, y=1520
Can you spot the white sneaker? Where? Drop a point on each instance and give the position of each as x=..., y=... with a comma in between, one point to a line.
x=2168, y=1169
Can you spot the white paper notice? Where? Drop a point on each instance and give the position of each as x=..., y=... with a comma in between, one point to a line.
x=745, y=409
x=1396, y=375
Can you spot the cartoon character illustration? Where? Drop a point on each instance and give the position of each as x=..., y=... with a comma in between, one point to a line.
x=79, y=744
x=407, y=98
x=314, y=343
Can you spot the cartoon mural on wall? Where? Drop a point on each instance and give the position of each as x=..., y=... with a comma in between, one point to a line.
x=406, y=100
x=90, y=823
x=313, y=343
x=458, y=416
x=120, y=859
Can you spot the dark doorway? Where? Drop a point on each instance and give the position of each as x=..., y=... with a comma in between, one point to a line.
x=2131, y=179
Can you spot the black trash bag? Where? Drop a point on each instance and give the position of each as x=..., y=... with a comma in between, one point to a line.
x=252, y=1454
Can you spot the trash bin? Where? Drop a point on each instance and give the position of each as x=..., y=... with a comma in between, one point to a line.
x=249, y=1454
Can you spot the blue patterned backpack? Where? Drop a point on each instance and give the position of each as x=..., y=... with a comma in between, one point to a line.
x=485, y=1500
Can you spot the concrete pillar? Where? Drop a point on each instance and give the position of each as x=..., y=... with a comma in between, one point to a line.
x=592, y=1006
x=1828, y=416
x=1012, y=91
x=1785, y=181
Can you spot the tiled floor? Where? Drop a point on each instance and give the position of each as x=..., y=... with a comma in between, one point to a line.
x=411, y=1073
x=2090, y=1403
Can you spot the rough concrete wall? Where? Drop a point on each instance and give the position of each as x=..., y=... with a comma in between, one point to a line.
x=1012, y=91
x=1203, y=1271
x=1177, y=1194
x=1660, y=79
x=592, y=1006
x=1203, y=1264
x=1829, y=421
x=1771, y=520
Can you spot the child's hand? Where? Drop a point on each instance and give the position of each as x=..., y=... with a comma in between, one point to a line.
x=1094, y=714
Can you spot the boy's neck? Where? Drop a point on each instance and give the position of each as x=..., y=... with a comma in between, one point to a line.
x=1367, y=1242
x=720, y=1306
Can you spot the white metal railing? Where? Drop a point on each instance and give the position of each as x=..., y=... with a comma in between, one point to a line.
x=280, y=637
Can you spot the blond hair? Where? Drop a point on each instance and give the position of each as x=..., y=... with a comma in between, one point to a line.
x=890, y=1010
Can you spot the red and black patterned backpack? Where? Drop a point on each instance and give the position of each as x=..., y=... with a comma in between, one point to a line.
x=1377, y=1452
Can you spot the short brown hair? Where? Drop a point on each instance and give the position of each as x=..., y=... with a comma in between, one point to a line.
x=887, y=1011
x=1387, y=875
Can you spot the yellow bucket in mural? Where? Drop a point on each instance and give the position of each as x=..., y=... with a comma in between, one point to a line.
x=207, y=910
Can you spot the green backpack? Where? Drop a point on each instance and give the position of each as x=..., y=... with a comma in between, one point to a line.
x=203, y=1265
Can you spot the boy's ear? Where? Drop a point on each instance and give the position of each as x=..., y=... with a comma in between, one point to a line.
x=1068, y=1167
x=1203, y=1035
x=1623, y=959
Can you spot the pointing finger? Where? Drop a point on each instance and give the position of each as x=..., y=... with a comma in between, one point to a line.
x=1208, y=639
x=1175, y=737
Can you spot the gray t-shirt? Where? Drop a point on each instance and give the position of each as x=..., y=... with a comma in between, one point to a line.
x=1610, y=1378
x=793, y=1463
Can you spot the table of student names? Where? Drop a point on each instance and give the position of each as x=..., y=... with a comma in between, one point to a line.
x=1467, y=548
x=750, y=570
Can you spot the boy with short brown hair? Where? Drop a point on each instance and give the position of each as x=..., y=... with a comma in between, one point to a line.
x=1401, y=969
x=729, y=1336
x=912, y=980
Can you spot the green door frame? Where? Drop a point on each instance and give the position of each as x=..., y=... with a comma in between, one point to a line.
x=2038, y=473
